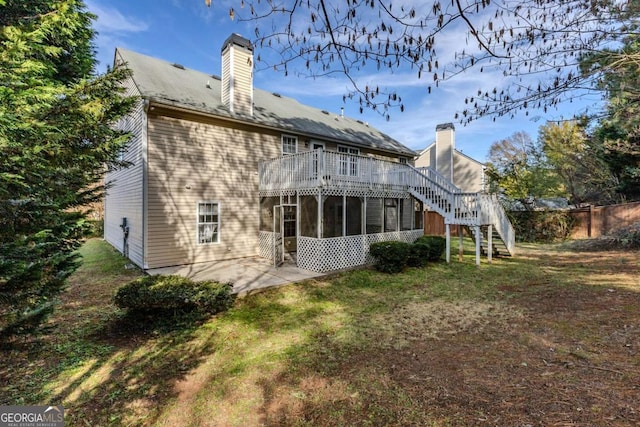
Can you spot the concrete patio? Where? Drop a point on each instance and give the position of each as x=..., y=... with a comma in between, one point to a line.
x=246, y=274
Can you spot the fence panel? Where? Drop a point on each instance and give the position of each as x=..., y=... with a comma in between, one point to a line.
x=595, y=221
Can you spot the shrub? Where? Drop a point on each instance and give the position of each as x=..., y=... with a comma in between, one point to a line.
x=430, y=247
x=97, y=227
x=418, y=254
x=390, y=257
x=628, y=237
x=542, y=226
x=176, y=294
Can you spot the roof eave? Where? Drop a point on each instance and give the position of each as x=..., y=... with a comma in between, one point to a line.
x=167, y=103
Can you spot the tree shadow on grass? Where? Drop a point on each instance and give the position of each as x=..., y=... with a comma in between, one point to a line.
x=123, y=372
x=137, y=379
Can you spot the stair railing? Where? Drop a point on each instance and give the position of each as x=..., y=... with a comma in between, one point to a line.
x=438, y=178
x=493, y=213
x=466, y=209
x=473, y=209
x=430, y=189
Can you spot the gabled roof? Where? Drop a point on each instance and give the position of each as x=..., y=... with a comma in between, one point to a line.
x=174, y=85
x=456, y=151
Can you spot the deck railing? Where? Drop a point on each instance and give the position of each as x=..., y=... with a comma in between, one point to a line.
x=321, y=168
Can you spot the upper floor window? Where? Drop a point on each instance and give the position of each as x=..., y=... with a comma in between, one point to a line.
x=348, y=162
x=289, y=144
x=402, y=160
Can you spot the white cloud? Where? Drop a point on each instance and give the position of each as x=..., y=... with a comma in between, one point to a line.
x=113, y=30
x=110, y=20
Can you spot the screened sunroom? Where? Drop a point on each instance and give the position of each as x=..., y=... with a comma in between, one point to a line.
x=329, y=207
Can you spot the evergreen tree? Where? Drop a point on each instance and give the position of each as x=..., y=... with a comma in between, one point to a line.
x=618, y=134
x=57, y=136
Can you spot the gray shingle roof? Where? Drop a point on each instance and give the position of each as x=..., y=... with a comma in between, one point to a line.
x=172, y=84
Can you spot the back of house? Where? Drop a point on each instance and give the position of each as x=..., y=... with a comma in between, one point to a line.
x=193, y=192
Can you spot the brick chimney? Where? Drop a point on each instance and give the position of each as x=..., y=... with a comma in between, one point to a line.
x=237, y=75
x=445, y=144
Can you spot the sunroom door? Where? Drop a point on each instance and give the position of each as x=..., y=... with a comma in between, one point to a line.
x=278, y=238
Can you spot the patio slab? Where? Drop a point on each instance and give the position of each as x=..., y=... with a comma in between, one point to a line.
x=246, y=274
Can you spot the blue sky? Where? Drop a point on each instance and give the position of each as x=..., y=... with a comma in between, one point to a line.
x=189, y=33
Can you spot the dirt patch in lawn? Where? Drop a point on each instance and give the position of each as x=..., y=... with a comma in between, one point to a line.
x=560, y=348
x=439, y=319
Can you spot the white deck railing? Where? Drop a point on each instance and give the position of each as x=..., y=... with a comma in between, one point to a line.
x=321, y=168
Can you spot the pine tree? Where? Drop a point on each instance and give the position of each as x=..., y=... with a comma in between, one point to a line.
x=57, y=137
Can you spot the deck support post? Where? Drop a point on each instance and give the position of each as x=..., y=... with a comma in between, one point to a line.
x=344, y=213
x=447, y=228
x=319, y=214
x=364, y=215
x=478, y=239
x=460, y=244
x=489, y=242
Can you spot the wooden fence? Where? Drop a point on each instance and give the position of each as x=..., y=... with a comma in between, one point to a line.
x=590, y=221
x=594, y=221
x=434, y=225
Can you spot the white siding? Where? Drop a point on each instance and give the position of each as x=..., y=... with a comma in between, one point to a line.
x=191, y=161
x=125, y=196
x=467, y=172
x=243, y=80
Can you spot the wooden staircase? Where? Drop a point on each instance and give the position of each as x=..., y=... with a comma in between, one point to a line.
x=499, y=249
x=472, y=210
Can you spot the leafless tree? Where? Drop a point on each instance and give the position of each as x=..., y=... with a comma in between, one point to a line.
x=534, y=46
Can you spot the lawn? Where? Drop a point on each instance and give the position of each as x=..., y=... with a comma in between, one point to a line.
x=550, y=337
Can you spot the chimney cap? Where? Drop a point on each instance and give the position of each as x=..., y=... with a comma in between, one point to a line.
x=237, y=40
x=445, y=126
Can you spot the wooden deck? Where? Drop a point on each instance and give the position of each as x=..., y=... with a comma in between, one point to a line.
x=326, y=170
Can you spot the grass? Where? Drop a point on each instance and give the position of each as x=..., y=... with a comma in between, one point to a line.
x=547, y=337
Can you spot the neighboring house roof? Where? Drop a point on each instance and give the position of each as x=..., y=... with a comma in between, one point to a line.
x=171, y=84
x=430, y=146
x=551, y=203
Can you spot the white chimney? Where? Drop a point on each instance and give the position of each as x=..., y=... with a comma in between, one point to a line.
x=445, y=144
x=237, y=75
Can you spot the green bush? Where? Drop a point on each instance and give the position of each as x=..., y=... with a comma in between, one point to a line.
x=628, y=237
x=418, y=254
x=390, y=257
x=161, y=294
x=430, y=247
x=542, y=226
x=97, y=227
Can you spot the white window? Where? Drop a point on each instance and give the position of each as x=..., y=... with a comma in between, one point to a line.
x=208, y=222
x=402, y=160
x=348, y=161
x=289, y=144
